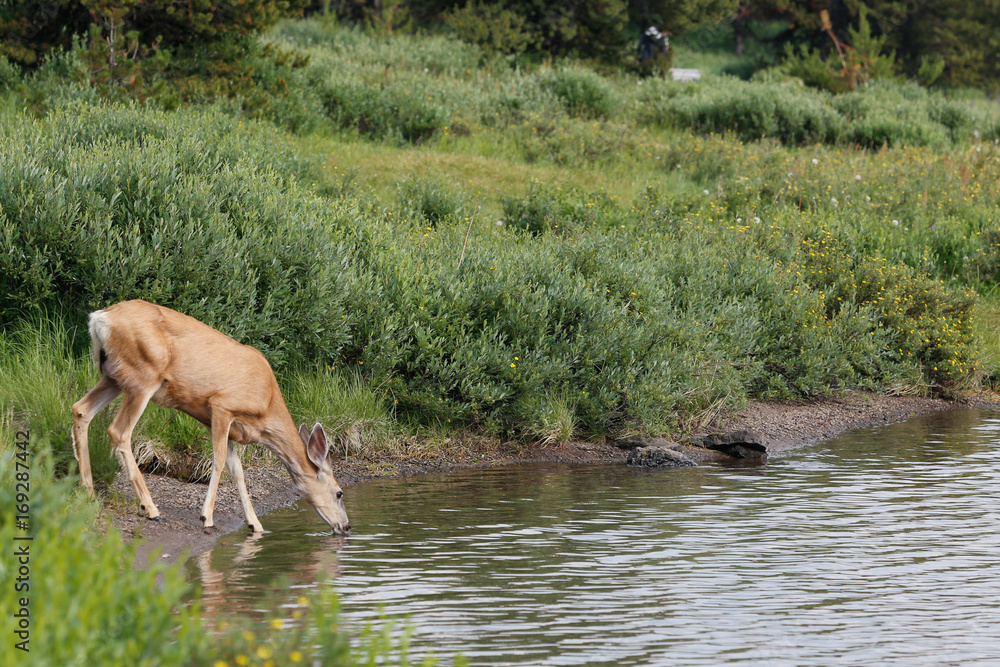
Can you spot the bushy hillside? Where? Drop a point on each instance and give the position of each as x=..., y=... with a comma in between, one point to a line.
x=734, y=240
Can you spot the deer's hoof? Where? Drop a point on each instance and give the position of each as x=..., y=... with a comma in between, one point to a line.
x=158, y=517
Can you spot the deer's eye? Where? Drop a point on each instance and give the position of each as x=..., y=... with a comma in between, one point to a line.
x=340, y=494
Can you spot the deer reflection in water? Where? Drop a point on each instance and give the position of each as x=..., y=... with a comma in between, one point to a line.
x=225, y=576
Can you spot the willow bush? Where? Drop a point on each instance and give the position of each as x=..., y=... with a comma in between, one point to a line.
x=99, y=205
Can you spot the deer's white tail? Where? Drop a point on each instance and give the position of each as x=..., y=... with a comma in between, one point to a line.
x=100, y=335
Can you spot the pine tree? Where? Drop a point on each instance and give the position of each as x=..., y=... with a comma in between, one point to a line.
x=32, y=29
x=965, y=35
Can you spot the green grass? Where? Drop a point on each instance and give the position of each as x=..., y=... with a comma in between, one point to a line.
x=356, y=416
x=553, y=418
x=473, y=165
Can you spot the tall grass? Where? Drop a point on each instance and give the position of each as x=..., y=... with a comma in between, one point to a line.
x=552, y=419
x=40, y=378
x=355, y=416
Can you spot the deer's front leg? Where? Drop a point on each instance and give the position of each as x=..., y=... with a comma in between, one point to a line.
x=236, y=470
x=221, y=422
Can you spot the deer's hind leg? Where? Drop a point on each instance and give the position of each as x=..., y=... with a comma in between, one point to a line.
x=221, y=421
x=120, y=431
x=84, y=411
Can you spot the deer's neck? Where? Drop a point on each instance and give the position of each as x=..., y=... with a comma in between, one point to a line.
x=284, y=441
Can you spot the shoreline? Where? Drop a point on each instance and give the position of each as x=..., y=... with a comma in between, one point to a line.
x=783, y=425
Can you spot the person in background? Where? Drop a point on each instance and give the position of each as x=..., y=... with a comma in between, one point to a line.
x=654, y=53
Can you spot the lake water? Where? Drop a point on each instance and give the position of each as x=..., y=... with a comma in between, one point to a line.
x=879, y=547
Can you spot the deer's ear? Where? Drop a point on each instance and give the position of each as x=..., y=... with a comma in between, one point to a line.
x=304, y=434
x=317, y=447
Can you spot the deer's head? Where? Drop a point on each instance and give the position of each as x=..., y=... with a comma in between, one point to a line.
x=318, y=485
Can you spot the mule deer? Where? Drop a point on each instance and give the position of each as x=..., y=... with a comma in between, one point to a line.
x=151, y=353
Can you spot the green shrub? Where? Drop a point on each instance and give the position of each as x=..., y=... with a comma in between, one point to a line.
x=654, y=99
x=563, y=140
x=535, y=214
x=954, y=115
x=915, y=317
x=430, y=200
x=582, y=91
x=751, y=110
x=894, y=115
x=894, y=127
x=9, y=75
x=637, y=317
x=405, y=108
x=61, y=79
x=191, y=214
x=874, y=115
x=513, y=101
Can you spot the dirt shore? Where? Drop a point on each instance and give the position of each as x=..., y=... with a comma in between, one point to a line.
x=784, y=425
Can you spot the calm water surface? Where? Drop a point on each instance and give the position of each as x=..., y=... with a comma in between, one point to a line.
x=881, y=547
